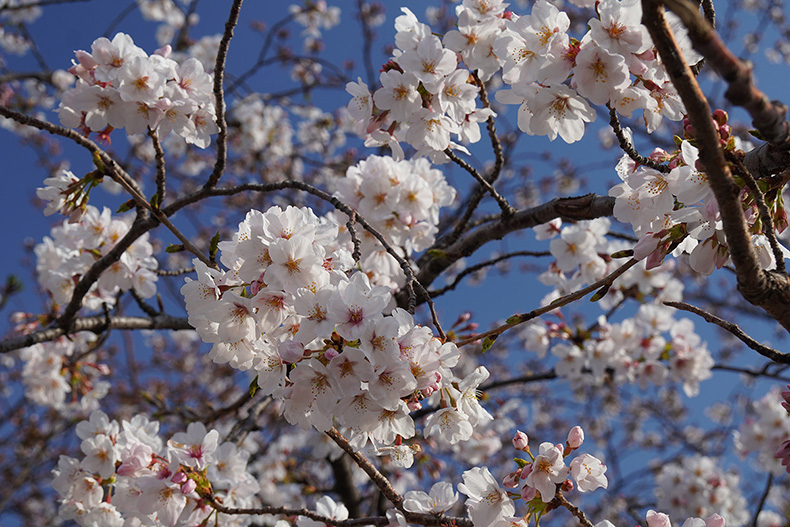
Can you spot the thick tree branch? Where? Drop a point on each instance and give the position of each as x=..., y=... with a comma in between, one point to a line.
x=769, y=290
x=96, y=324
x=434, y=262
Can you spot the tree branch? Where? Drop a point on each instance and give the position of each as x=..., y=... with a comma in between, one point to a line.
x=96, y=323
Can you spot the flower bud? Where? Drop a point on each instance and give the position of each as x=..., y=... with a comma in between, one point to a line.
x=188, y=487
x=520, y=441
x=528, y=493
x=575, y=437
x=720, y=116
x=511, y=480
x=714, y=520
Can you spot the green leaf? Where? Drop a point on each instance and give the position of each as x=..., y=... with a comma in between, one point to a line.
x=521, y=462
x=600, y=293
x=756, y=134
x=515, y=319
x=623, y=254
x=155, y=201
x=253, y=389
x=174, y=248
x=437, y=253
x=126, y=206
x=212, y=250
x=488, y=342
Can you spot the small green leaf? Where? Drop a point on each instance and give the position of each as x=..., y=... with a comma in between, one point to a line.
x=212, y=250
x=125, y=206
x=98, y=162
x=155, y=201
x=600, y=293
x=174, y=248
x=437, y=253
x=515, y=319
x=623, y=254
x=488, y=342
x=521, y=462
x=756, y=134
x=253, y=387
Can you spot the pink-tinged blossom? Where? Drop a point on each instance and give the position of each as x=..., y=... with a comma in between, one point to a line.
x=195, y=447
x=429, y=62
x=326, y=507
x=548, y=470
x=357, y=305
x=589, y=473
x=439, y=499
x=398, y=94
x=449, y=425
x=486, y=501
x=360, y=107
x=559, y=110
x=431, y=129
x=599, y=74
x=657, y=519
x=100, y=456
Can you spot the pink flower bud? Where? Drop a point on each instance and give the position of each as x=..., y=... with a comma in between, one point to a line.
x=511, y=480
x=188, y=487
x=414, y=404
x=575, y=437
x=721, y=117
x=528, y=493
x=179, y=477
x=714, y=520
x=526, y=471
x=567, y=485
x=520, y=440
x=657, y=519
x=291, y=351
x=331, y=353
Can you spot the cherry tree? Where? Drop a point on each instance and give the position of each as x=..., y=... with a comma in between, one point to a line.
x=277, y=288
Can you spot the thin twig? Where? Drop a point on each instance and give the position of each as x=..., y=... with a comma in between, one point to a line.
x=219, y=95
x=175, y=272
x=763, y=497
x=40, y=3
x=628, y=147
x=765, y=351
x=482, y=265
x=507, y=210
x=765, y=214
x=161, y=173
x=576, y=511
x=559, y=302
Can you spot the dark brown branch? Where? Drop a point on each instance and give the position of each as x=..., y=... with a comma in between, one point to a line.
x=82, y=141
x=576, y=511
x=765, y=351
x=40, y=3
x=507, y=210
x=378, y=479
x=482, y=265
x=434, y=262
x=768, y=117
x=628, y=147
x=219, y=95
x=95, y=323
x=161, y=173
x=765, y=215
x=769, y=290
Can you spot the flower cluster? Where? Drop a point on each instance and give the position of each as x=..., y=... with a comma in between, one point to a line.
x=50, y=376
x=401, y=200
x=634, y=350
x=698, y=486
x=677, y=212
x=319, y=339
x=74, y=247
x=121, y=86
x=766, y=430
x=424, y=99
x=128, y=474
